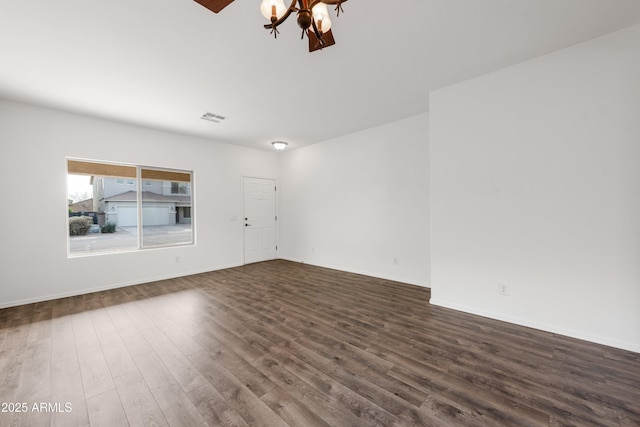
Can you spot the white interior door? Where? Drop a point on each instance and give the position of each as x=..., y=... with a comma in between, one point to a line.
x=259, y=219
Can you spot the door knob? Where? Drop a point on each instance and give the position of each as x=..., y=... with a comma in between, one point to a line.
x=247, y=225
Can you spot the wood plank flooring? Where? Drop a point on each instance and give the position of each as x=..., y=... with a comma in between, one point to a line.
x=286, y=344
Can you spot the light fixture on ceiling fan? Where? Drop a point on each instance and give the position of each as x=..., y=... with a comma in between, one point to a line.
x=313, y=17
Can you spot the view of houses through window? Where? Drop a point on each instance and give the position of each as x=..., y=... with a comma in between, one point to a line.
x=109, y=211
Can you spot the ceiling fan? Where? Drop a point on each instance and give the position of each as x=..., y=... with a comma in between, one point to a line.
x=312, y=17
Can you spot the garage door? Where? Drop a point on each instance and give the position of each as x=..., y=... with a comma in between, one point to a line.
x=155, y=215
x=127, y=216
x=151, y=215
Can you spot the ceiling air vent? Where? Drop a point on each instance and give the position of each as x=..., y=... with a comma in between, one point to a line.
x=216, y=118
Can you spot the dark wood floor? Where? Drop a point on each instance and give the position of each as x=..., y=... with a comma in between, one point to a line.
x=286, y=344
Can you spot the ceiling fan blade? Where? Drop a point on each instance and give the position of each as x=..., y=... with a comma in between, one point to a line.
x=316, y=44
x=215, y=5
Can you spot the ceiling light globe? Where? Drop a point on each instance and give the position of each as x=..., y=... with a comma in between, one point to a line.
x=321, y=16
x=266, y=8
x=323, y=25
x=279, y=145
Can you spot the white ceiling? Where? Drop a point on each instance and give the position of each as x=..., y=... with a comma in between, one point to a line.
x=164, y=63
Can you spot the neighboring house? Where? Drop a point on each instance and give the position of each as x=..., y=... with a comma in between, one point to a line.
x=82, y=206
x=163, y=202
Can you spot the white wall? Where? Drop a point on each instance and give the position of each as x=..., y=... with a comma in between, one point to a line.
x=357, y=202
x=536, y=184
x=34, y=143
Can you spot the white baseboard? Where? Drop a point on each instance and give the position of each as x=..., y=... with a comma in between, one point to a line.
x=624, y=345
x=111, y=286
x=362, y=272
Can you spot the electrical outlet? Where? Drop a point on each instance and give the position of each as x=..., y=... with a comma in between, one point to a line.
x=395, y=261
x=177, y=260
x=503, y=289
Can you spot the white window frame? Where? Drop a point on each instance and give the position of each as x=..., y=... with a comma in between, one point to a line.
x=139, y=182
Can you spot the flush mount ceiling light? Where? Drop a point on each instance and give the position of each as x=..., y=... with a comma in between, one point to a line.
x=279, y=145
x=313, y=17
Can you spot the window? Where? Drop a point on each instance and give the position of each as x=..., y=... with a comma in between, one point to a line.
x=159, y=209
x=130, y=208
x=179, y=188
